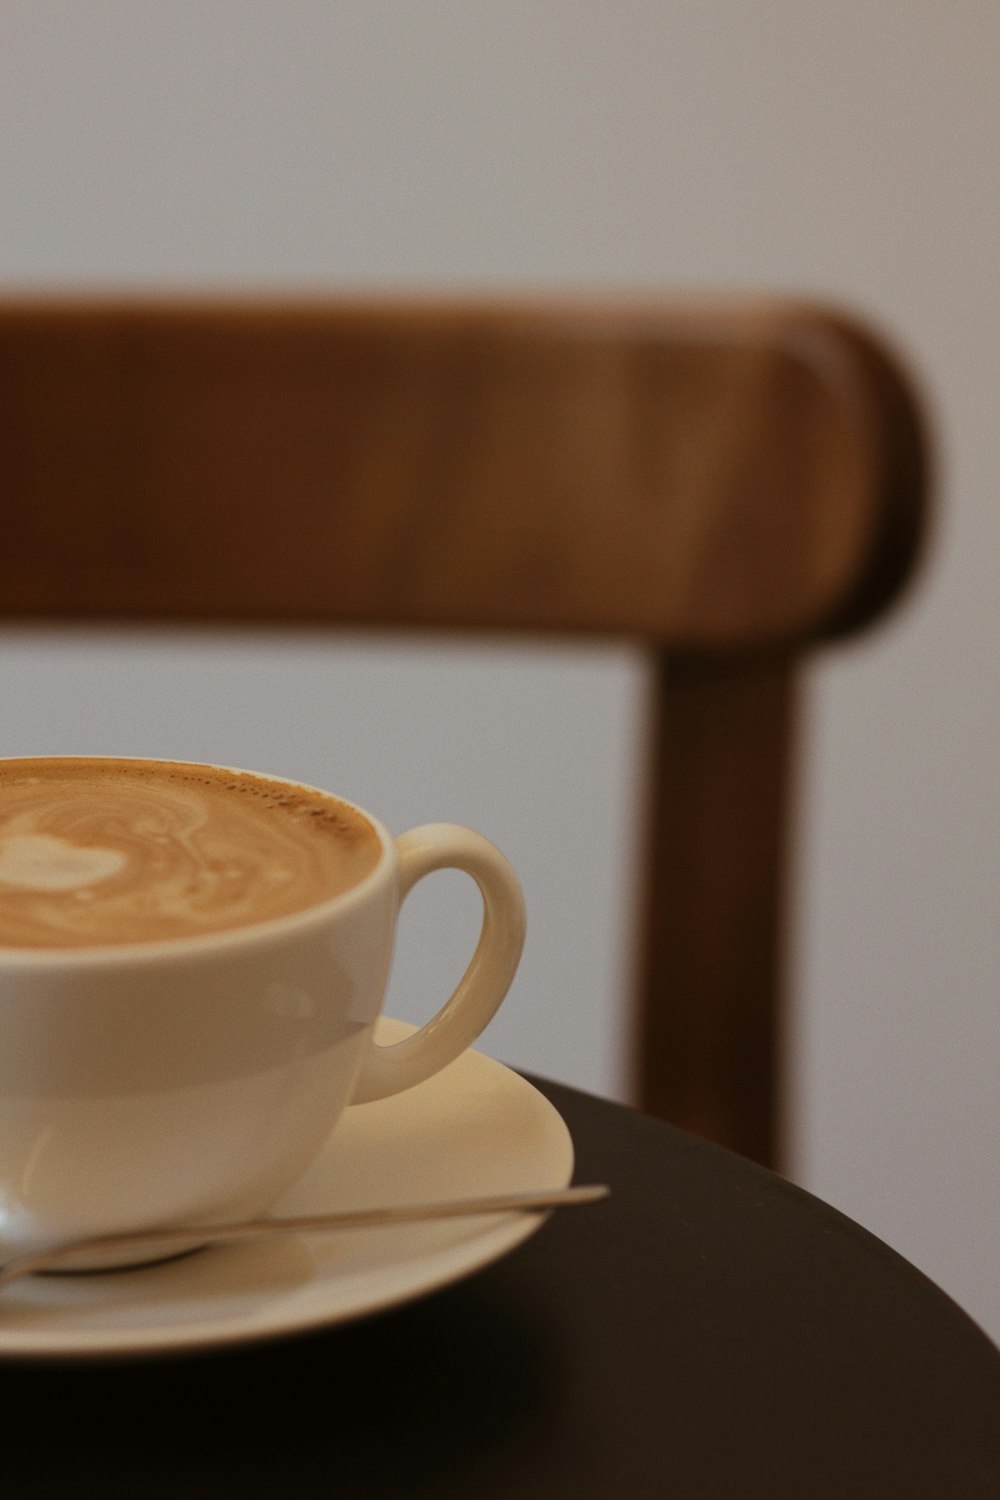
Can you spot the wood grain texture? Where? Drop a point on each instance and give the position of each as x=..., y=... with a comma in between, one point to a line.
x=709, y=1035
x=727, y=483
x=706, y=482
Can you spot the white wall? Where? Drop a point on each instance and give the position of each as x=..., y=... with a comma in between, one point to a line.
x=848, y=150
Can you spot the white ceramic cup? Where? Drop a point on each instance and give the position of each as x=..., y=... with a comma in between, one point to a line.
x=193, y=1080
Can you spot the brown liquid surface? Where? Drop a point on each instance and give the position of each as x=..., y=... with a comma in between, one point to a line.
x=98, y=852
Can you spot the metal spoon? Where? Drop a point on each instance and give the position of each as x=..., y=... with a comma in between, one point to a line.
x=163, y=1241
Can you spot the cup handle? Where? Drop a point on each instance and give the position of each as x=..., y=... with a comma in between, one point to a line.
x=445, y=846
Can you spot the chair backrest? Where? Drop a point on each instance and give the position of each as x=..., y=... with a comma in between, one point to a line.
x=729, y=484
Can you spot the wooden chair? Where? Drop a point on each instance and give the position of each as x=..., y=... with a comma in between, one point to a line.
x=730, y=485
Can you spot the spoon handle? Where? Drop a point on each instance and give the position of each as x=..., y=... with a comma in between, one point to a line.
x=197, y=1235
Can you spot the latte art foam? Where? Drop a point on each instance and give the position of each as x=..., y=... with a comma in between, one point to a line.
x=96, y=852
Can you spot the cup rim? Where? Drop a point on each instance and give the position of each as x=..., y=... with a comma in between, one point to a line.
x=250, y=935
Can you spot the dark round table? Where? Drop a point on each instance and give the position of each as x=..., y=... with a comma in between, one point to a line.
x=710, y=1330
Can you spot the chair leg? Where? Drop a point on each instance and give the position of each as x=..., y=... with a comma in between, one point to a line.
x=707, y=1034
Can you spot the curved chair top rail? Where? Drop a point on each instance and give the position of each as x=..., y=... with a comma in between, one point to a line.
x=705, y=476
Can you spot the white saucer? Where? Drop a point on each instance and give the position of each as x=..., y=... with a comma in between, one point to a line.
x=475, y=1128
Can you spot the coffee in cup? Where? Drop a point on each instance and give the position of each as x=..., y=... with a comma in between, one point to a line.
x=103, y=852
x=192, y=961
